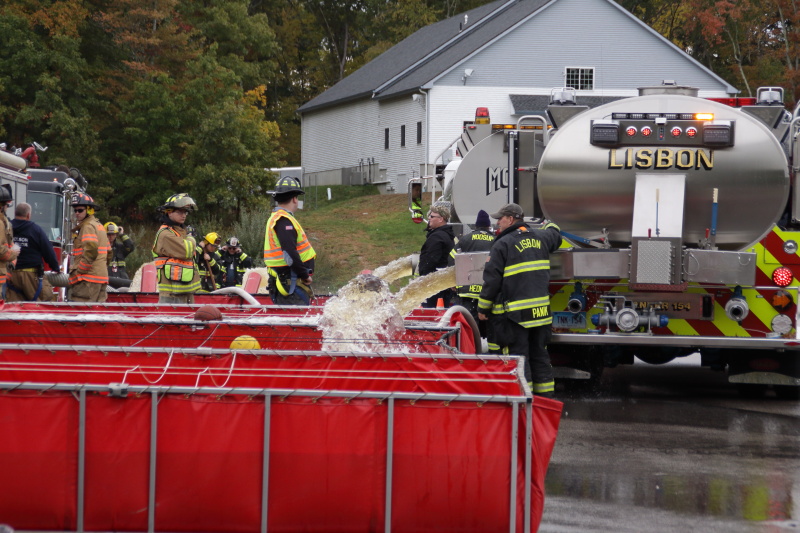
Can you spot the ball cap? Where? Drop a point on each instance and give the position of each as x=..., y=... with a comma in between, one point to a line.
x=509, y=210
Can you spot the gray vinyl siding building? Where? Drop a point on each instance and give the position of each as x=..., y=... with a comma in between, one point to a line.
x=507, y=56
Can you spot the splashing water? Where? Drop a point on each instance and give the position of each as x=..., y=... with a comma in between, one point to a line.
x=402, y=267
x=362, y=318
x=410, y=296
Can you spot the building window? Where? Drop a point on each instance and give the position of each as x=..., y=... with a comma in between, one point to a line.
x=386, y=139
x=419, y=132
x=580, y=78
x=403, y=135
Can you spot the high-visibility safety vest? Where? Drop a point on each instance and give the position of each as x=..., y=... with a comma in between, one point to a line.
x=176, y=275
x=516, y=278
x=274, y=256
x=90, y=251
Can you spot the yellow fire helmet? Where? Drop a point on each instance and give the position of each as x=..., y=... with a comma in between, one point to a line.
x=212, y=238
x=245, y=342
x=111, y=228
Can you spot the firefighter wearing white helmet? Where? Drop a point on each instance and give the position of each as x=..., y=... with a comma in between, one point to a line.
x=121, y=246
x=288, y=254
x=8, y=250
x=208, y=261
x=234, y=263
x=88, y=269
x=173, y=252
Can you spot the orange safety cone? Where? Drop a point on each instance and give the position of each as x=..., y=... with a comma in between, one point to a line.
x=440, y=303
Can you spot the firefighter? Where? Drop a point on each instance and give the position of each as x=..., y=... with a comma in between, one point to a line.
x=234, y=263
x=208, y=261
x=27, y=282
x=173, y=252
x=515, y=293
x=416, y=203
x=8, y=250
x=437, y=249
x=121, y=246
x=288, y=254
x=88, y=269
x=479, y=240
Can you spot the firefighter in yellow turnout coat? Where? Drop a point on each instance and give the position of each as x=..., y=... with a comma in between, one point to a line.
x=173, y=252
x=515, y=293
x=88, y=271
x=8, y=250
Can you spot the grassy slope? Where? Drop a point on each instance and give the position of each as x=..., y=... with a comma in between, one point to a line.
x=356, y=234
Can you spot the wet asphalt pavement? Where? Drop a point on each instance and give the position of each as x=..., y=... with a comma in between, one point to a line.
x=673, y=448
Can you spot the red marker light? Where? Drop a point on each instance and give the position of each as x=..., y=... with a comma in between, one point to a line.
x=482, y=115
x=782, y=276
x=631, y=131
x=647, y=132
x=676, y=131
x=691, y=132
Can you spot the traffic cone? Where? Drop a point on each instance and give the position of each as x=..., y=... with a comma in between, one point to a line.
x=440, y=303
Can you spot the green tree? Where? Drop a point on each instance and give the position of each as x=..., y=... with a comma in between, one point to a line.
x=242, y=42
x=46, y=90
x=230, y=144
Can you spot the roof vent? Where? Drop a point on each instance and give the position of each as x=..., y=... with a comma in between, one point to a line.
x=562, y=96
x=669, y=87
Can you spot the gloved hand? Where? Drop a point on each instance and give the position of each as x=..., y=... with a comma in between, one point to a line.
x=15, y=248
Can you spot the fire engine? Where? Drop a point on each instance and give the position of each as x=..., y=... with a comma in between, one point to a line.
x=47, y=190
x=681, y=222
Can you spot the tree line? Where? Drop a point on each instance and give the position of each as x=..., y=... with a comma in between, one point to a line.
x=199, y=96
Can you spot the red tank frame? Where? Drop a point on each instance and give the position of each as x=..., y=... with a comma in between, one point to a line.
x=136, y=417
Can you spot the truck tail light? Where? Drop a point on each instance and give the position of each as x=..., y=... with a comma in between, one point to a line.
x=782, y=276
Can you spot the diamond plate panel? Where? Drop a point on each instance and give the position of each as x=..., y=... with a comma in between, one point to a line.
x=654, y=262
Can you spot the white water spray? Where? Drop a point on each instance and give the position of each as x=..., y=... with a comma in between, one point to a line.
x=362, y=318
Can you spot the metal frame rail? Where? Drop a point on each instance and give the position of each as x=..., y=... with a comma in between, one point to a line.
x=156, y=392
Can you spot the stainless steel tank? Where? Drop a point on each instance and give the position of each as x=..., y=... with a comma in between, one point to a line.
x=585, y=187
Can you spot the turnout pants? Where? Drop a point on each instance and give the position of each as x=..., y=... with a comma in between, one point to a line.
x=85, y=291
x=23, y=285
x=532, y=343
x=175, y=299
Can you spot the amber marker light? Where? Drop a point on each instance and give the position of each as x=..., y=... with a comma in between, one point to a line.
x=704, y=116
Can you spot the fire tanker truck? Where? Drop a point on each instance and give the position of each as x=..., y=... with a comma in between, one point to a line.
x=681, y=223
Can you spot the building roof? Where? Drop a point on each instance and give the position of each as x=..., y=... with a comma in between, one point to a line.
x=435, y=49
x=535, y=104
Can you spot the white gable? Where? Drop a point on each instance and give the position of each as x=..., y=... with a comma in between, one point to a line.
x=528, y=59
x=624, y=53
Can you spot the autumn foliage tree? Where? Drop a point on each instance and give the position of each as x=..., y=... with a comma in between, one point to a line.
x=200, y=96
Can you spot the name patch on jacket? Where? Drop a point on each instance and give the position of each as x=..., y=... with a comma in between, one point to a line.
x=482, y=237
x=524, y=244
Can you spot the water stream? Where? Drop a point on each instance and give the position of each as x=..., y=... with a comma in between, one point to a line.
x=401, y=267
x=410, y=296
